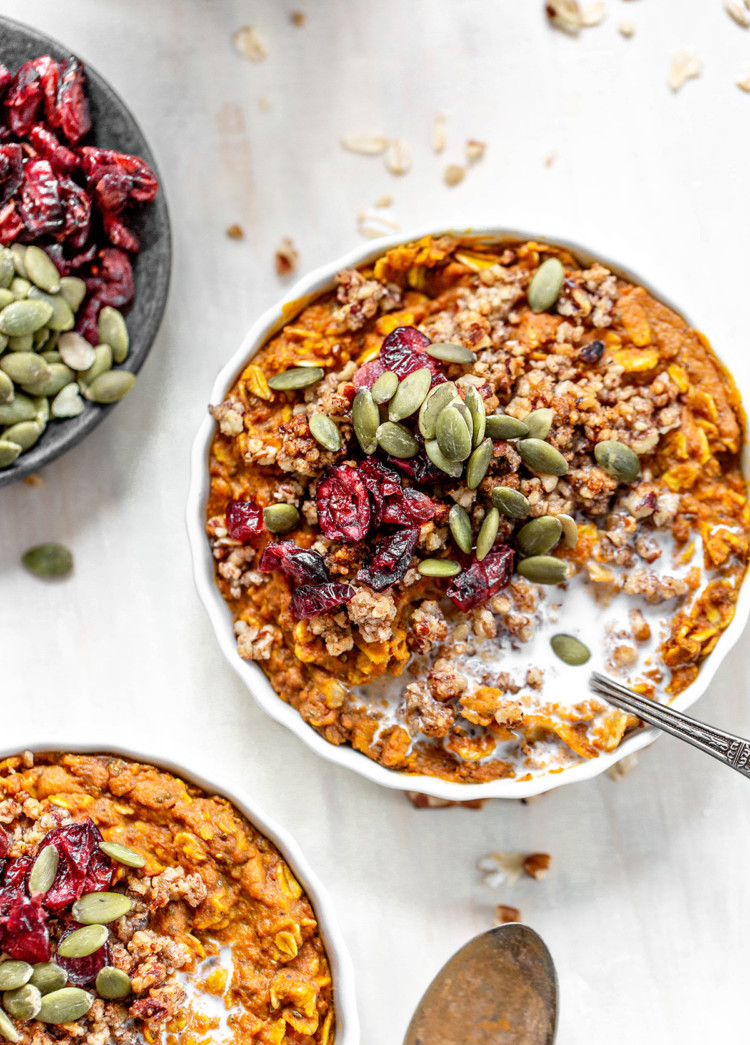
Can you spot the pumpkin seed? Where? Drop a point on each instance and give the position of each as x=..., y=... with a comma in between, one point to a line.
x=460, y=527
x=41, y=409
x=539, y=422
x=51, y=356
x=365, y=420
x=487, y=533
x=460, y=405
x=475, y=404
x=68, y=402
x=113, y=983
x=48, y=560
x=110, y=386
x=570, y=649
x=478, y=464
x=385, y=387
x=503, y=426
x=432, y=407
x=73, y=291
x=510, y=502
x=451, y=353
x=542, y=457
x=410, y=394
x=6, y=297
x=59, y=376
x=7, y=1030
x=543, y=569
x=40, y=338
x=617, y=460
x=62, y=317
x=539, y=535
x=546, y=284
x=101, y=908
x=435, y=454
x=41, y=269
x=14, y=974
x=325, y=431
x=122, y=854
x=83, y=942
x=48, y=977
x=25, y=343
x=397, y=440
x=24, y=434
x=23, y=1003
x=112, y=331
x=8, y=452
x=297, y=377
x=19, y=253
x=20, y=408
x=439, y=567
x=19, y=288
x=102, y=362
x=66, y=1005
x=6, y=388
x=45, y=866
x=24, y=317
x=76, y=351
x=569, y=529
x=452, y=435
x=281, y=518
x=25, y=367
x=7, y=268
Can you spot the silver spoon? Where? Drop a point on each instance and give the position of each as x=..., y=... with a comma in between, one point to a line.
x=730, y=749
x=501, y=986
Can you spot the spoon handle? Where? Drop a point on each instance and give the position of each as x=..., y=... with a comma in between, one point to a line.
x=732, y=750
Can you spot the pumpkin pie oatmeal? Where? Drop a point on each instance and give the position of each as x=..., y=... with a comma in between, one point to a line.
x=464, y=472
x=135, y=907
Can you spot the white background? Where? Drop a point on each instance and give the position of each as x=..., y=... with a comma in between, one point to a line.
x=645, y=909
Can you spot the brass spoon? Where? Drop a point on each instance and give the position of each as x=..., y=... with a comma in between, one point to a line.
x=500, y=987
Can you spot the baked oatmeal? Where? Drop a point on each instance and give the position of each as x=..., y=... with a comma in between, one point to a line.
x=465, y=471
x=135, y=907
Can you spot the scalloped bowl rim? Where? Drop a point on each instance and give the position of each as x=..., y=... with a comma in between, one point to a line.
x=315, y=282
x=342, y=970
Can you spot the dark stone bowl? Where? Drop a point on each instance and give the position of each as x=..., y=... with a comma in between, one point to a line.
x=114, y=127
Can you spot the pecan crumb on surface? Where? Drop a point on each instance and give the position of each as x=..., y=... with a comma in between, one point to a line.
x=505, y=914
x=250, y=43
x=298, y=18
x=235, y=232
x=475, y=150
x=34, y=480
x=536, y=865
x=454, y=174
x=286, y=257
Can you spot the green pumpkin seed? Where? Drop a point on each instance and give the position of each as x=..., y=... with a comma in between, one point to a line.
x=113, y=983
x=51, y=356
x=325, y=431
x=67, y=402
x=539, y=535
x=503, y=426
x=102, y=362
x=439, y=568
x=297, y=377
x=546, y=284
x=410, y=394
x=460, y=405
x=73, y=291
x=41, y=409
x=432, y=407
x=511, y=503
x=544, y=569
x=20, y=408
x=365, y=420
x=385, y=387
x=40, y=338
x=617, y=460
x=478, y=464
x=48, y=560
x=435, y=454
x=397, y=440
x=6, y=389
x=450, y=353
x=542, y=457
x=19, y=253
x=7, y=268
x=7, y=1030
x=281, y=518
x=25, y=434
x=460, y=527
x=83, y=942
x=25, y=343
x=25, y=367
x=101, y=908
x=122, y=854
x=539, y=423
x=6, y=297
x=59, y=376
x=41, y=269
x=487, y=533
x=76, y=351
x=24, y=317
x=452, y=435
x=570, y=649
x=48, y=977
x=112, y=331
x=23, y=1003
x=569, y=529
x=110, y=386
x=44, y=870
x=20, y=288
x=8, y=453
x=62, y=317
x=66, y=1005
x=14, y=974
x=475, y=404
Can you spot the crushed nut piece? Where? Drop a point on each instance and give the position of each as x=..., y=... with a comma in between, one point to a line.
x=739, y=10
x=684, y=67
x=33, y=479
x=744, y=83
x=550, y=159
x=384, y=201
x=475, y=150
x=623, y=767
x=287, y=257
x=505, y=914
x=367, y=144
x=626, y=29
x=297, y=18
x=536, y=865
x=571, y=17
x=250, y=43
x=501, y=868
x=454, y=174
x=375, y=225
x=398, y=157
x=438, y=132
x=236, y=232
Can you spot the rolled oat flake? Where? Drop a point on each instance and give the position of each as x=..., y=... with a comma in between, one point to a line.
x=65, y=1006
x=48, y=560
x=14, y=974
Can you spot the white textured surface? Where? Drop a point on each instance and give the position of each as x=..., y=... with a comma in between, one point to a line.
x=646, y=902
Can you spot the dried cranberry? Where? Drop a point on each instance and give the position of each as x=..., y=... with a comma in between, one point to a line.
x=112, y=189
x=77, y=207
x=6, y=78
x=99, y=873
x=10, y=223
x=592, y=352
x=482, y=579
x=310, y=600
x=419, y=468
x=11, y=171
x=389, y=560
x=368, y=374
x=116, y=275
x=41, y=207
x=4, y=843
x=343, y=504
x=24, y=98
x=13, y=887
x=50, y=148
x=119, y=235
x=75, y=844
x=72, y=114
x=303, y=564
x=381, y=482
x=409, y=508
x=244, y=519
x=96, y=162
x=62, y=264
x=25, y=936
x=403, y=352
x=82, y=970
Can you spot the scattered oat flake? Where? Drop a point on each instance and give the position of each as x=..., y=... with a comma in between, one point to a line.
x=384, y=201
x=286, y=257
x=297, y=18
x=684, y=67
x=454, y=174
x=373, y=226
x=420, y=801
x=236, y=232
x=475, y=150
x=265, y=103
x=626, y=29
x=571, y=16
x=739, y=10
x=438, y=132
x=744, y=83
x=623, y=767
x=251, y=43
x=550, y=159
x=398, y=157
x=365, y=144
x=501, y=868
x=505, y=914
x=33, y=479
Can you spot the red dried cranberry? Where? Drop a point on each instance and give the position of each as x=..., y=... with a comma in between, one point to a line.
x=4, y=844
x=75, y=844
x=25, y=936
x=482, y=579
x=55, y=251
x=13, y=887
x=97, y=162
x=11, y=171
x=409, y=508
x=244, y=519
x=10, y=223
x=303, y=564
x=419, y=468
x=119, y=235
x=310, y=600
x=50, y=148
x=24, y=98
x=41, y=207
x=116, y=275
x=82, y=971
x=72, y=114
x=343, y=504
x=112, y=189
x=403, y=352
x=77, y=207
x=592, y=352
x=368, y=374
x=99, y=873
x=381, y=482
x=389, y=560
